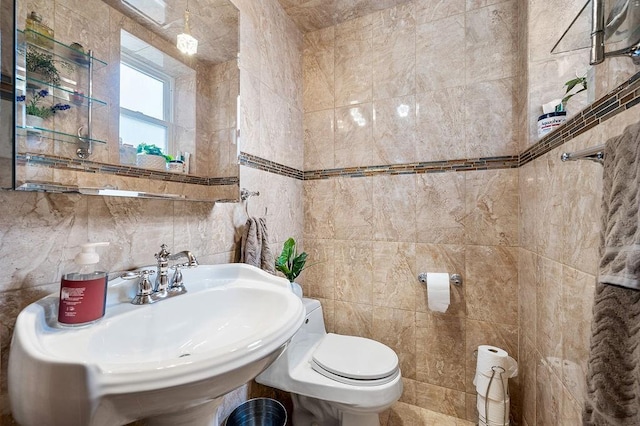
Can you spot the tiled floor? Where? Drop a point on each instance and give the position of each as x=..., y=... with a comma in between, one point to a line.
x=401, y=414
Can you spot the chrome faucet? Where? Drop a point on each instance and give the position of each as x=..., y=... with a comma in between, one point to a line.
x=163, y=287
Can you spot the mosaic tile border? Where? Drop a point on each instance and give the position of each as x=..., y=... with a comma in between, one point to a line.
x=269, y=166
x=467, y=164
x=118, y=170
x=625, y=96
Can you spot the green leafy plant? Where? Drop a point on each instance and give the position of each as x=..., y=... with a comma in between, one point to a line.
x=44, y=64
x=578, y=82
x=35, y=108
x=290, y=263
x=151, y=149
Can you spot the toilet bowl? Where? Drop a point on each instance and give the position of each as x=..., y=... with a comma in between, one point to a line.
x=334, y=379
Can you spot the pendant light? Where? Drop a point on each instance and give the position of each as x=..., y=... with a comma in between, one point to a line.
x=186, y=43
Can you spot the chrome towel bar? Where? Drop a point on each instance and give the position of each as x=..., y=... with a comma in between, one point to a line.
x=594, y=154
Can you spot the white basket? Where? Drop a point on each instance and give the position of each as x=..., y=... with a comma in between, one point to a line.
x=154, y=162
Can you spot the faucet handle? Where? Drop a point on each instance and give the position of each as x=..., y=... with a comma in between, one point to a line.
x=163, y=255
x=177, y=286
x=145, y=288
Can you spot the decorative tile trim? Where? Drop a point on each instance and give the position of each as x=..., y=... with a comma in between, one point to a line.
x=269, y=166
x=625, y=96
x=118, y=170
x=467, y=164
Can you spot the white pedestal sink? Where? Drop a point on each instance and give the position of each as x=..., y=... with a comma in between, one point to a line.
x=169, y=362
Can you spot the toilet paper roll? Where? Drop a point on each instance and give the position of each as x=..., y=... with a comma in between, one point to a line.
x=491, y=356
x=497, y=391
x=438, y=291
x=492, y=412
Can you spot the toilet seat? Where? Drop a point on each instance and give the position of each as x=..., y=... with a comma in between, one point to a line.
x=355, y=360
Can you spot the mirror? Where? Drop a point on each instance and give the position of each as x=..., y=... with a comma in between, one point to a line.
x=108, y=103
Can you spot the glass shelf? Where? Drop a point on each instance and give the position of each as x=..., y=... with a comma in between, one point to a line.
x=621, y=29
x=576, y=37
x=52, y=135
x=62, y=93
x=61, y=50
x=54, y=187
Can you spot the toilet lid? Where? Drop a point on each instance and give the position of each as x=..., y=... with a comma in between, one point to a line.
x=355, y=358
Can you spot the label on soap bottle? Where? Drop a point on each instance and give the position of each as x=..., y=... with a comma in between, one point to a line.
x=82, y=301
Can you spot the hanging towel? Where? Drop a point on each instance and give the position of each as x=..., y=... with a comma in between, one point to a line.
x=255, y=249
x=613, y=370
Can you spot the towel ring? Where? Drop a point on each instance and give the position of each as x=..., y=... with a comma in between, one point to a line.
x=246, y=208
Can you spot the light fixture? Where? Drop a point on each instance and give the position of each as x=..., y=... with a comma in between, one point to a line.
x=187, y=44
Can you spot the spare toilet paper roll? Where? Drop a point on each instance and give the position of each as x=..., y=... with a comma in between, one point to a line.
x=438, y=291
x=493, y=412
x=491, y=356
x=492, y=389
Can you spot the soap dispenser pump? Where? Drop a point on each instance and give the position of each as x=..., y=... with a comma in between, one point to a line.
x=83, y=291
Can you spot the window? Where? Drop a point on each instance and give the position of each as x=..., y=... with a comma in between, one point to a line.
x=145, y=104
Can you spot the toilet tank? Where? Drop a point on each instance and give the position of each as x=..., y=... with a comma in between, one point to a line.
x=299, y=348
x=314, y=319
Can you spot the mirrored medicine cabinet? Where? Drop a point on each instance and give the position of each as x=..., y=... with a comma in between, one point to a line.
x=108, y=99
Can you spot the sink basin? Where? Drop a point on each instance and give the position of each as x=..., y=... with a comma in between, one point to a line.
x=168, y=361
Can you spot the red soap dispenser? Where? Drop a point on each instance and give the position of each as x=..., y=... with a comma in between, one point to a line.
x=83, y=292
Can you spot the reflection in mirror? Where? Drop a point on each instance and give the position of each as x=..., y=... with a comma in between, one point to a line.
x=119, y=106
x=157, y=105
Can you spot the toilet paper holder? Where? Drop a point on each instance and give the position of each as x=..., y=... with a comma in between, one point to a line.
x=455, y=279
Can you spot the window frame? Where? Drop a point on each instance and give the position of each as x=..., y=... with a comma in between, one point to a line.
x=168, y=91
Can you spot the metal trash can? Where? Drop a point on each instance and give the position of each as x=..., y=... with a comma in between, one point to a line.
x=258, y=412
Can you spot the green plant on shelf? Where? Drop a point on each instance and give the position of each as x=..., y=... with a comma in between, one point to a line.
x=34, y=105
x=580, y=83
x=151, y=149
x=43, y=63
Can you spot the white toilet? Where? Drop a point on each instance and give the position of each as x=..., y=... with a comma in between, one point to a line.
x=334, y=379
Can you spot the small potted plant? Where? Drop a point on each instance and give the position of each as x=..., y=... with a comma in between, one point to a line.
x=42, y=66
x=150, y=156
x=550, y=121
x=291, y=264
x=578, y=82
x=36, y=112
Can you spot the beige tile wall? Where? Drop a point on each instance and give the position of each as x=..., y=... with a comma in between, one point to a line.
x=559, y=222
x=372, y=236
x=385, y=88
x=559, y=226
